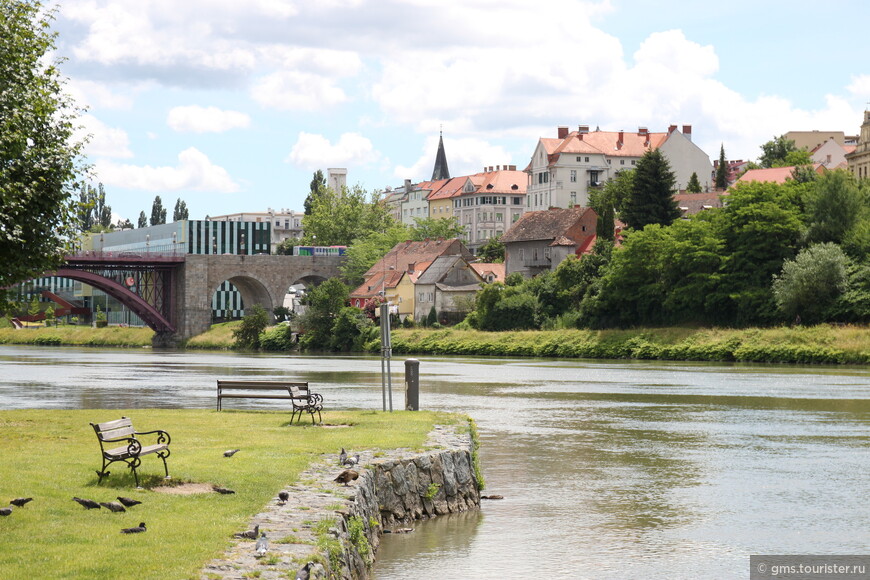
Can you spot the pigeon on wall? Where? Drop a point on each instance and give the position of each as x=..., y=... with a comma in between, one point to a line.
x=262, y=545
x=346, y=476
x=351, y=461
x=342, y=457
x=283, y=496
x=136, y=530
x=304, y=572
x=250, y=534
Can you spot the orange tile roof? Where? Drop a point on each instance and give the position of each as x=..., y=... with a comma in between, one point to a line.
x=772, y=174
x=497, y=270
x=447, y=188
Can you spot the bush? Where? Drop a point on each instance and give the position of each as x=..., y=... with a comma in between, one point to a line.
x=247, y=335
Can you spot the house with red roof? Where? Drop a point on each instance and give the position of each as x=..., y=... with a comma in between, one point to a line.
x=540, y=240
x=774, y=174
x=563, y=170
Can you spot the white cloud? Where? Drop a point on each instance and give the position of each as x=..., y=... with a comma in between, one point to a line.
x=860, y=86
x=104, y=141
x=196, y=119
x=464, y=157
x=95, y=94
x=316, y=151
x=194, y=172
x=291, y=90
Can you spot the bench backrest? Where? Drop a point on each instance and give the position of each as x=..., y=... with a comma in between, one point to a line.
x=260, y=385
x=118, y=429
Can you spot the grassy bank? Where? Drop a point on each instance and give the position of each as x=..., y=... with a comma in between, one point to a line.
x=822, y=344
x=78, y=335
x=52, y=456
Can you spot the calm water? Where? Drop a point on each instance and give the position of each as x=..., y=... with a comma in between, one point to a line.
x=609, y=469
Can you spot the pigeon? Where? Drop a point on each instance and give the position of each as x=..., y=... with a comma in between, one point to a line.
x=351, y=461
x=304, y=572
x=342, y=457
x=20, y=501
x=88, y=504
x=346, y=476
x=113, y=506
x=137, y=530
x=250, y=534
x=283, y=496
x=128, y=502
x=262, y=545
x=7, y=511
x=231, y=452
x=222, y=490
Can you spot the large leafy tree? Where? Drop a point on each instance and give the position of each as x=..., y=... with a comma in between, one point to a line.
x=39, y=158
x=607, y=200
x=338, y=218
x=435, y=228
x=180, y=212
x=318, y=183
x=809, y=285
x=652, y=195
x=158, y=212
x=834, y=204
x=492, y=251
x=782, y=152
x=324, y=303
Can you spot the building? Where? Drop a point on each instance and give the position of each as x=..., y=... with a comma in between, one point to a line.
x=692, y=203
x=448, y=285
x=286, y=224
x=831, y=154
x=563, y=170
x=540, y=240
x=395, y=275
x=859, y=159
x=490, y=272
x=488, y=203
x=336, y=178
x=774, y=174
x=810, y=140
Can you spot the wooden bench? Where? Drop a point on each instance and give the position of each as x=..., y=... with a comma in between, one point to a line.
x=297, y=393
x=122, y=431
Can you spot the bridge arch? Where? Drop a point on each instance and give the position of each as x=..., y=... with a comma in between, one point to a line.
x=252, y=290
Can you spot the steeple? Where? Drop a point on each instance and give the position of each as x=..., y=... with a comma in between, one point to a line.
x=441, y=171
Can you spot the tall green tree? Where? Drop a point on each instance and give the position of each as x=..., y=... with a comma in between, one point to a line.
x=775, y=152
x=180, y=211
x=833, y=206
x=39, y=158
x=652, y=195
x=722, y=170
x=143, y=221
x=324, y=303
x=607, y=200
x=318, y=184
x=694, y=185
x=158, y=212
x=338, y=218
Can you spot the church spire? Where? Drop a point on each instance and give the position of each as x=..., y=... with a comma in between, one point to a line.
x=441, y=171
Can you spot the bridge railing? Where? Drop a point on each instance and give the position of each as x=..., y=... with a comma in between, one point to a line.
x=157, y=251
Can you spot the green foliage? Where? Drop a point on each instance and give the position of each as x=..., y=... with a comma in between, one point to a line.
x=501, y=307
x=350, y=329
x=492, y=251
x=609, y=199
x=651, y=200
x=694, y=186
x=277, y=339
x=834, y=205
x=339, y=218
x=434, y=228
x=180, y=212
x=158, y=212
x=356, y=532
x=432, y=491
x=247, y=334
x=93, y=213
x=800, y=157
x=809, y=284
x=143, y=221
x=39, y=158
x=775, y=151
x=324, y=304
x=285, y=248
x=722, y=170
x=318, y=183
x=367, y=250
x=432, y=318
x=281, y=313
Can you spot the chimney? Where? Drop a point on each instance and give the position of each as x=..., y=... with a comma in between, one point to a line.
x=580, y=136
x=411, y=267
x=641, y=131
x=620, y=140
x=583, y=129
x=407, y=185
x=563, y=132
x=671, y=129
x=512, y=167
x=687, y=131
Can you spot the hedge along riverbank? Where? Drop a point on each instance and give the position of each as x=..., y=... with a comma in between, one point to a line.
x=823, y=344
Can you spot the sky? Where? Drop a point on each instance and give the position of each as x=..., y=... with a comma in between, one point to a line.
x=231, y=106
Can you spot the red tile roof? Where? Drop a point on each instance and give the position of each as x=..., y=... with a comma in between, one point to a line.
x=773, y=174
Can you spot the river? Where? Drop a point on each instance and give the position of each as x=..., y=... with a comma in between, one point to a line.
x=609, y=469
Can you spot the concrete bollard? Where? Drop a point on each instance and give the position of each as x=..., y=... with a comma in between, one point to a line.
x=412, y=384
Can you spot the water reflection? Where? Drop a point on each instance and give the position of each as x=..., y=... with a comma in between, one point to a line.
x=609, y=469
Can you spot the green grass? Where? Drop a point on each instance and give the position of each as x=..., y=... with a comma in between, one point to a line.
x=219, y=336
x=52, y=456
x=78, y=335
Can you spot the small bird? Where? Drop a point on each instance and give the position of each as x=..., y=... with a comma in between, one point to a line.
x=222, y=490
x=128, y=501
x=250, y=534
x=137, y=530
x=351, y=461
x=283, y=496
x=20, y=501
x=492, y=497
x=231, y=452
x=304, y=572
x=113, y=506
x=262, y=545
x=7, y=511
x=342, y=457
x=88, y=504
x=346, y=476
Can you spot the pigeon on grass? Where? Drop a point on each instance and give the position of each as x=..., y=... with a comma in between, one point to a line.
x=136, y=530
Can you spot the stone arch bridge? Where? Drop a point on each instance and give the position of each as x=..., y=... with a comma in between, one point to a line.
x=172, y=293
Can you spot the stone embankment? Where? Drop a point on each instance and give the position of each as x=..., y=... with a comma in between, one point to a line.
x=339, y=528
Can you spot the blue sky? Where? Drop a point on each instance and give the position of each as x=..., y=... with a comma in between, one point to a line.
x=232, y=105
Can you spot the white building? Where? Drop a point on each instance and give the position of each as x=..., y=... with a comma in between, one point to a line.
x=563, y=170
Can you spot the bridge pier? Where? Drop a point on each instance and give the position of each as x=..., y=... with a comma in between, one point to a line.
x=166, y=340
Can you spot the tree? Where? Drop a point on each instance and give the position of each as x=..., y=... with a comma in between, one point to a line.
x=833, y=206
x=143, y=221
x=809, y=285
x=39, y=158
x=180, y=212
x=124, y=225
x=722, y=170
x=323, y=305
x=694, y=186
x=365, y=252
x=435, y=228
x=652, y=199
x=318, y=183
x=247, y=335
x=774, y=152
x=492, y=251
x=607, y=200
x=158, y=212
x=338, y=218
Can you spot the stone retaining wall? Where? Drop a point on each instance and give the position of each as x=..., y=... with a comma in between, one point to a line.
x=340, y=527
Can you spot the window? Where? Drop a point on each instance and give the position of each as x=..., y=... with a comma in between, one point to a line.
x=499, y=217
x=634, y=161
x=518, y=201
x=587, y=160
x=573, y=198
x=578, y=159
x=608, y=161
x=573, y=178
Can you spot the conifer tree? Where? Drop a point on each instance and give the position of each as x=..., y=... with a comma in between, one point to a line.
x=652, y=195
x=694, y=186
x=722, y=170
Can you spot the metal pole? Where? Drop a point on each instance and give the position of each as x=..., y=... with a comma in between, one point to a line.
x=386, y=354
